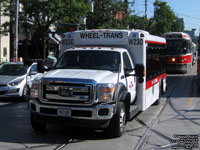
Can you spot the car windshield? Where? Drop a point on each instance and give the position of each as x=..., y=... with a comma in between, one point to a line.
x=176, y=47
x=13, y=69
x=99, y=60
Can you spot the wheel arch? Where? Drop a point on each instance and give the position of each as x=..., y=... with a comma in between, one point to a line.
x=124, y=96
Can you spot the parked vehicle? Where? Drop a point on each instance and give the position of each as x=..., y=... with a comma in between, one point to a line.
x=13, y=78
x=194, y=53
x=102, y=80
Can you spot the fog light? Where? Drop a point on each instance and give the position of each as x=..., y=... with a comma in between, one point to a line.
x=15, y=91
x=103, y=112
x=33, y=107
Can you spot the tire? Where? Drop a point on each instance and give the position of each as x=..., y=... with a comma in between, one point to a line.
x=118, y=122
x=36, y=124
x=26, y=92
x=157, y=102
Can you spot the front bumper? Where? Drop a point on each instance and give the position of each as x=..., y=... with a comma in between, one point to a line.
x=8, y=92
x=177, y=67
x=98, y=112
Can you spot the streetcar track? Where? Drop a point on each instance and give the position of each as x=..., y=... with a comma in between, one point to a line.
x=155, y=131
x=146, y=134
x=182, y=114
x=178, y=112
x=57, y=146
x=60, y=146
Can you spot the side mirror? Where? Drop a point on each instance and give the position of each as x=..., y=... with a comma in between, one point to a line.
x=139, y=69
x=140, y=72
x=33, y=73
x=127, y=72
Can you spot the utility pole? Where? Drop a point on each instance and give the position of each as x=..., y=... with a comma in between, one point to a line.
x=146, y=8
x=16, y=31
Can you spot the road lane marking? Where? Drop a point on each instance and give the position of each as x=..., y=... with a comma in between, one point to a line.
x=190, y=102
x=192, y=87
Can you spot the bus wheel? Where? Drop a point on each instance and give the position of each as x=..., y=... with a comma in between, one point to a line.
x=26, y=93
x=118, y=122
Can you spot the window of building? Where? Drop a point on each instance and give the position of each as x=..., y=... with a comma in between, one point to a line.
x=5, y=52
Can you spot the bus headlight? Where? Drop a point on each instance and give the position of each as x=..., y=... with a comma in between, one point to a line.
x=105, y=92
x=35, y=91
x=173, y=59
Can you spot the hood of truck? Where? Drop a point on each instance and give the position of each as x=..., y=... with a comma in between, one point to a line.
x=100, y=76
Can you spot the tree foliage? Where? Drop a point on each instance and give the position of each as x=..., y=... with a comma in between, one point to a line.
x=40, y=15
x=109, y=14
x=164, y=20
x=143, y=23
x=164, y=17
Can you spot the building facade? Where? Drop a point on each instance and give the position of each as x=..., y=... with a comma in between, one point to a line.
x=192, y=35
x=4, y=42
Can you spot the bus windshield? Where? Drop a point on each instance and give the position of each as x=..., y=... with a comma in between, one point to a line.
x=95, y=59
x=176, y=47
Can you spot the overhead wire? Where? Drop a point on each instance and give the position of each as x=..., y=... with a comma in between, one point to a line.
x=138, y=3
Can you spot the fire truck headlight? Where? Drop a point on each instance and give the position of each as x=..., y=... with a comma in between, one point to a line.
x=105, y=92
x=35, y=91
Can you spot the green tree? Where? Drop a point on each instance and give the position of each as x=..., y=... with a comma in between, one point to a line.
x=40, y=15
x=164, y=18
x=109, y=14
x=143, y=23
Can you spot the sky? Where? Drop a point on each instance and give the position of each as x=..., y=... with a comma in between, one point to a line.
x=189, y=10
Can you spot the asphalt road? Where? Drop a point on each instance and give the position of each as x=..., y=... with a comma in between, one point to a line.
x=175, y=123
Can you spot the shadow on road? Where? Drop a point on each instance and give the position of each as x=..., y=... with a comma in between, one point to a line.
x=15, y=127
x=182, y=86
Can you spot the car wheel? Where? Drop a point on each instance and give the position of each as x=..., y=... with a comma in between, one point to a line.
x=26, y=93
x=118, y=122
x=36, y=124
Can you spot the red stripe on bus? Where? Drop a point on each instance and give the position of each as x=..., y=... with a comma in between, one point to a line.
x=155, y=80
x=186, y=59
x=154, y=42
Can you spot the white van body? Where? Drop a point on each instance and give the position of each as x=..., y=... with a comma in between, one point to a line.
x=103, y=76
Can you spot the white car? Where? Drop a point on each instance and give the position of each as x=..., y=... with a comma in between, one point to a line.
x=13, y=79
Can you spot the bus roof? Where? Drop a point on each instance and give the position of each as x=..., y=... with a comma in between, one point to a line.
x=176, y=35
x=111, y=37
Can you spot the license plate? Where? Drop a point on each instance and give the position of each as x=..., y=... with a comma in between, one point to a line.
x=64, y=112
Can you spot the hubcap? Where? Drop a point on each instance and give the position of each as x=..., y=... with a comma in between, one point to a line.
x=122, y=119
x=25, y=90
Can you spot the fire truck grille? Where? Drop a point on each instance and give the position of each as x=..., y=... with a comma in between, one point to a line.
x=66, y=93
